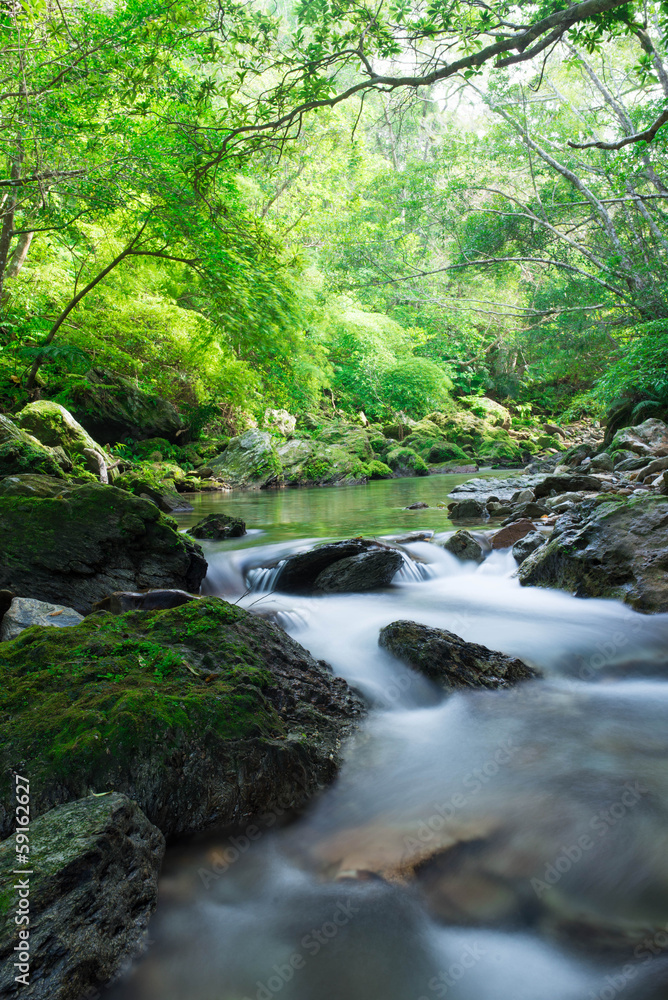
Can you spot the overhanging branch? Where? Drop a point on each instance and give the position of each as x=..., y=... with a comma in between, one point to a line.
x=645, y=136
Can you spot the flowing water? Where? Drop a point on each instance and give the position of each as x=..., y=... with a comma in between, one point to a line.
x=488, y=846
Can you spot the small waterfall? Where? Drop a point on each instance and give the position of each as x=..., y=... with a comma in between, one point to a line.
x=262, y=579
x=414, y=572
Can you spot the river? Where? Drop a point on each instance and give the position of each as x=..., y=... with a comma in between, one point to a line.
x=532, y=823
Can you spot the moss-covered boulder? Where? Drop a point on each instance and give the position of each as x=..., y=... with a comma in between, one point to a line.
x=113, y=408
x=249, y=460
x=406, y=462
x=21, y=453
x=93, y=886
x=74, y=544
x=611, y=549
x=488, y=409
x=155, y=481
x=55, y=427
x=218, y=526
x=204, y=715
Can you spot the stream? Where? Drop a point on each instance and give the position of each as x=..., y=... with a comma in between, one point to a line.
x=507, y=845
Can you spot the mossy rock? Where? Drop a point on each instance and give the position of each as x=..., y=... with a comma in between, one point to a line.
x=203, y=715
x=406, y=462
x=112, y=408
x=75, y=544
x=378, y=470
x=21, y=453
x=250, y=459
x=488, y=409
x=445, y=451
x=55, y=427
x=155, y=481
x=218, y=526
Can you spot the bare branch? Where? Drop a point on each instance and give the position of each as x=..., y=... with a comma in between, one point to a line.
x=645, y=136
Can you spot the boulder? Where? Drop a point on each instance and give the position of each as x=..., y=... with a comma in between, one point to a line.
x=279, y=421
x=151, y=482
x=112, y=408
x=249, y=460
x=507, y=536
x=527, y=510
x=468, y=510
x=55, y=427
x=407, y=462
x=93, y=887
x=571, y=483
x=25, y=612
x=217, y=526
x=151, y=600
x=204, y=715
x=448, y=660
x=21, y=453
x=366, y=571
x=81, y=542
x=602, y=463
x=464, y=546
x=420, y=505
x=299, y=572
x=648, y=438
x=525, y=546
x=618, y=548
x=489, y=410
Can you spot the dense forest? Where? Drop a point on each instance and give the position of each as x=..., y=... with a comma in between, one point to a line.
x=189, y=202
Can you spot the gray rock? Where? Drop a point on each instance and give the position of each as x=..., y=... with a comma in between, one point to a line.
x=279, y=421
x=250, y=459
x=629, y=464
x=523, y=496
x=55, y=427
x=151, y=600
x=648, y=438
x=366, y=571
x=602, y=462
x=84, y=542
x=112, y=408
x=464, y=546
x=525, y=546
x=448, y=660
x=617, y=548
x=468, y=510
x=25, y=612
x=572, y=483
x=93, y=887
x=527, y=510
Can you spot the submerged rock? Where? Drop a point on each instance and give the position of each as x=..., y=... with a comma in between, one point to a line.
x=217, y=526
x=76, y=544
x=366, y=571
x=611, y=549
x=93, y=887
x=450, y=661
x=25, y=612
x=464, y=546
x=204, y=715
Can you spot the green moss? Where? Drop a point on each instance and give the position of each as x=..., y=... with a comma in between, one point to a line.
x=378, y=470
x=20, y=457
x=93, y=698
x=445, y=451
x=406, y=461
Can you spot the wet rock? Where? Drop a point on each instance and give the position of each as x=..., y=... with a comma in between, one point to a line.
x=464, y=546
x=578, y=453
x=647, y=471
x=79, y=543
x=523, y=496
x=217, y=526
x=204, y=715
x=299, y=572
x=93, y=887
x=151, y=600
x=417, y=506
x=525, y=546
x=366, y=571
x=279, y=421
x=448, y=660
x=499, y=509
x=527, y=510
x=25, y=612
x=248, y=460
x=572, y=483
x=618, y=548
x=21, y=453
x=507, y=536
x=468, y=510
x=55, y=427
x=112, y=408
x=648, y=438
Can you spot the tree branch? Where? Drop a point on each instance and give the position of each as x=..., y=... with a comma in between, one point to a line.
x=645, y=136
